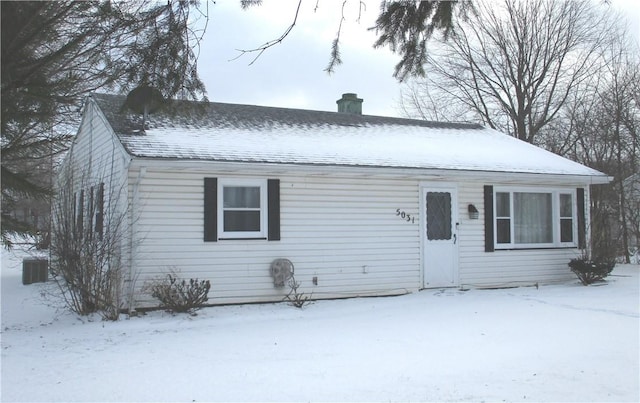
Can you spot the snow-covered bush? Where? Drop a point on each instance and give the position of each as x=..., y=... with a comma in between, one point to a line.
x=590, y=271
x=179, y=295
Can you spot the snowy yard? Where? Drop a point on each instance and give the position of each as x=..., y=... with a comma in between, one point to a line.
x=556, y=343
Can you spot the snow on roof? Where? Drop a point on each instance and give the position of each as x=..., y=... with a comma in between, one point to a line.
x=245, y=133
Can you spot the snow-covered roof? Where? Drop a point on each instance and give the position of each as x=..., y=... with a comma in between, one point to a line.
x=246, y=133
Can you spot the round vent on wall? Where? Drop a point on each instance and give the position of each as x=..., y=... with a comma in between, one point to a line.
x=281, y=271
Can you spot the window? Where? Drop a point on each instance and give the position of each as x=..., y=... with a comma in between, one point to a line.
x=532, y=219
x=503, y=217
x=242, y=208
x=438, y=215
x=566, y=217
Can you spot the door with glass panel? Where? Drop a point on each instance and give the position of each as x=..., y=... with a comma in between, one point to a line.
x=440, y=235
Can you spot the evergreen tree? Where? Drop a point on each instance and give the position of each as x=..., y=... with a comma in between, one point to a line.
x=55, y=53
x=407, y=26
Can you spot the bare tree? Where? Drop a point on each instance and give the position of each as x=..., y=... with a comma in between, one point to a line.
x=513, y=66
x=89, y=244
x=618, y=103
x=632, y=187
x=604, y=125
x=560, y=74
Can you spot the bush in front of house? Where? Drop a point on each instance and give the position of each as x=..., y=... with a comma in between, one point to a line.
x=86, y=248
x=296, y=297
x=590, y=271
x=180, y=295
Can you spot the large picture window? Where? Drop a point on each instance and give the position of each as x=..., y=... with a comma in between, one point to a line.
x=530, y=219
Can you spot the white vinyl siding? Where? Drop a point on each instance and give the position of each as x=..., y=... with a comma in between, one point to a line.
x=95, y=170
x=344, y=231
x=97, y=162
x=96, y=156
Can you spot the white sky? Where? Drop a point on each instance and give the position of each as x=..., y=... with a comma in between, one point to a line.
x=291, y=74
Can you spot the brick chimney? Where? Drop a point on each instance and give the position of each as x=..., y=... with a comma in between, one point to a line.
x=350, y=103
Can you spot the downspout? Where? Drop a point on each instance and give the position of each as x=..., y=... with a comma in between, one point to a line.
x=135, y=203
x=587, y=220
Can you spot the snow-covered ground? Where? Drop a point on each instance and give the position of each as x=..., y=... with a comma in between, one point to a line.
x=556, y=343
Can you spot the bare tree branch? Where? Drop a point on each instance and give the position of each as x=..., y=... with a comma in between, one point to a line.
x=516, y=66
x=260, y=49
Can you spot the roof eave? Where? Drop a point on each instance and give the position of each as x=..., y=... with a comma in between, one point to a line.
x=364, y=170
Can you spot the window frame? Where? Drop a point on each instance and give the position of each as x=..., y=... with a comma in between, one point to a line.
x=556, y=218
x=264, y=214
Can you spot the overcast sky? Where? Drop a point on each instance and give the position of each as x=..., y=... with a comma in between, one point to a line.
x=291, y=74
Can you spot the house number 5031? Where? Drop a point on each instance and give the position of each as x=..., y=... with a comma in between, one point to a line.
x=405, y=216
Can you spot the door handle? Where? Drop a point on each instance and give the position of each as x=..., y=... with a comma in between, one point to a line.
x=455, y=238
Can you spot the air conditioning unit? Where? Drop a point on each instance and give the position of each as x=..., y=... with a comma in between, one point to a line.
x=35, y=271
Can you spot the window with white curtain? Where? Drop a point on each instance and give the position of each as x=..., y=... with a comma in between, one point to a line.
x=242, y=208
x=532, y=218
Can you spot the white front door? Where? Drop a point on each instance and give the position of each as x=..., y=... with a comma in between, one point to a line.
x=439, y=234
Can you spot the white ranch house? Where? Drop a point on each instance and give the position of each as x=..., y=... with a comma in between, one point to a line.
x=362, y=205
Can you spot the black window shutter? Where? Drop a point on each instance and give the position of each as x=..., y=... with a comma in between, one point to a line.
x=91, y=212
x=488, y=219
x=100, y=210
x=80, y=218
x=75, y=213
x=273, y=207
x=210, y=209
x=582, y=242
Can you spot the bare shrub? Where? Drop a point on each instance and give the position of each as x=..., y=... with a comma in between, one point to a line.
x=296, y=297
x=86, y=250
x=179, y=295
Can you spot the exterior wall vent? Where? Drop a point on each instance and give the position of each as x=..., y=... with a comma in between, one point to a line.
x=350, y=103
x=34, y=271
